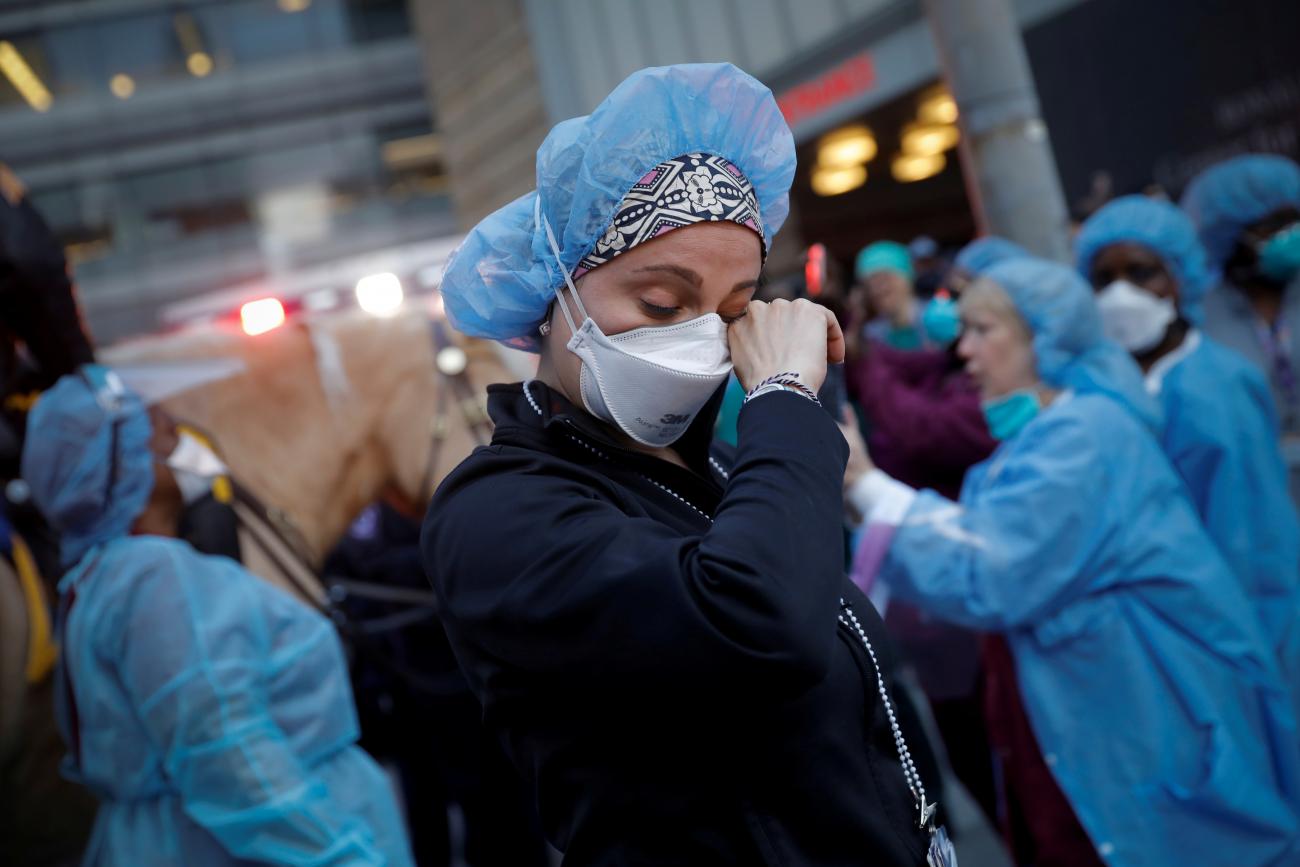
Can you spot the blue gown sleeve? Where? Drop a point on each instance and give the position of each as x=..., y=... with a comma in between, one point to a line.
x=193, y=652
x=1230, y=459
x=1024, y=546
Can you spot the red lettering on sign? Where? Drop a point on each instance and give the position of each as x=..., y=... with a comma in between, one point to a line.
x=851, y=78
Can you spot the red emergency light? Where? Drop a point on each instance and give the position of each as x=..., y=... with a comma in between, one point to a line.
x=814, y=270
x=261, y=316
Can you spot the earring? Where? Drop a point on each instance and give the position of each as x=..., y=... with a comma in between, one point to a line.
x=544, y=329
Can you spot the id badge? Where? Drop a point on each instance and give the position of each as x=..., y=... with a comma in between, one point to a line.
x=941, y=853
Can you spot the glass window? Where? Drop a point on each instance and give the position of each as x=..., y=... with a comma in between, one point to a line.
x=251, y=32
x=373, y=20
x=141, y=50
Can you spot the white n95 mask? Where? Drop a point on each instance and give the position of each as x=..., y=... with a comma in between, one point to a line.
x=1133, y=317
x=652, y=381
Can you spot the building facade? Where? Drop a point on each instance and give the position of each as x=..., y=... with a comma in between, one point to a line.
x=217, y=146
x=191, y=150
x=1133, y=95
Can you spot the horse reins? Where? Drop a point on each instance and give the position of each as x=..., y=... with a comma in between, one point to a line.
x=281, y=542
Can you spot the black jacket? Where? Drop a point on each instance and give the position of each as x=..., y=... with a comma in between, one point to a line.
x=38, y=303
x=38, y=309
x=658, y=648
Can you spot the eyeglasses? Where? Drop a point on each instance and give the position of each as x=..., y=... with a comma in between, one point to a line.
x=1135, y=273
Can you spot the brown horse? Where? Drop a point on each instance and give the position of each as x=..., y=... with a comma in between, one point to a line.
x=328, y=416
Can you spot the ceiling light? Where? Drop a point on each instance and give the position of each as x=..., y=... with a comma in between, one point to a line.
x=23, y=78
x=413, y=152
x=928, y=139
x=122, y=85
x=937, y=106
x=907, y=168
x=831, y=181
x=294, y=5
x=199, y=64
x=847, y=146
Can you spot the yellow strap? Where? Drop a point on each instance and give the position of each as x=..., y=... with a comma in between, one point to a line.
x=181, y=427
x=42, y=652
x=22, y=401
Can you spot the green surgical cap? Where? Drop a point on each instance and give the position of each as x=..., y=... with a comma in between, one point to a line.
x=884, y=256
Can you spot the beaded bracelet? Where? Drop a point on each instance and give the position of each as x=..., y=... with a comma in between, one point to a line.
x=788, y=381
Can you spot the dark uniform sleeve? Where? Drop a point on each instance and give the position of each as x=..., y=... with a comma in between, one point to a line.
x=537, y=571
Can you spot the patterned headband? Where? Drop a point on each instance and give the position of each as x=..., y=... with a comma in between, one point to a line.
x=693, y=188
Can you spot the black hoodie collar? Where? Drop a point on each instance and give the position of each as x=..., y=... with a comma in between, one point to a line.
x=516, y=419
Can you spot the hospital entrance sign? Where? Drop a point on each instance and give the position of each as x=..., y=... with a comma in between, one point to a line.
x=810, y=99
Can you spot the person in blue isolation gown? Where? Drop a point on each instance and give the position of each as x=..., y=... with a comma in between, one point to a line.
x=1152, y=700
x=1247, y=213
x=1147, y=266
x=210, y=712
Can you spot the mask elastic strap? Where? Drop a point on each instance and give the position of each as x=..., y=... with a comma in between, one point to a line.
x=539, y=217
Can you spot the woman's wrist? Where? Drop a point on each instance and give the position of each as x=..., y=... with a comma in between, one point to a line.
x=788, y=381
x=854, y=472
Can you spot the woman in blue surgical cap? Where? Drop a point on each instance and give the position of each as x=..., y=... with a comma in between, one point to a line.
x=1145, y=261
x=1247, y=212
x=210, y=712
x=662, y=634
x=886, y=269
x=1143, y=716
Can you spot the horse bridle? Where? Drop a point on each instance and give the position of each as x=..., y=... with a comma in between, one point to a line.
x=461, y=390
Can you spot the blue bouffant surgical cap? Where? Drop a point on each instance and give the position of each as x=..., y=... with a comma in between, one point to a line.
x=87, y=458
x=1160, y=227
x=1225, y=199
x=983, y=253
x=1071, y=349
x=501, y=280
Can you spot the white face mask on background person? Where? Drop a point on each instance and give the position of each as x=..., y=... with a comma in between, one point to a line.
x=651, y=382
x=194, y=466
x=1133, y=317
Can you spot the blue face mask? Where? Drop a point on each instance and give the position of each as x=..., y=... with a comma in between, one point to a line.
x=1279, y=256
x=1007, y=415
x=941, y=319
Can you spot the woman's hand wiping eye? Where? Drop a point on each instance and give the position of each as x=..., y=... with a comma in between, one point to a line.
x=785, y=337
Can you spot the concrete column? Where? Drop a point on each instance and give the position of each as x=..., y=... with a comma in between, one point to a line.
x=486, y=100
x=1010, y=170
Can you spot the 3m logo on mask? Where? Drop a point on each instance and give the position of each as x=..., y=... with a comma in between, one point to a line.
x=673, y=419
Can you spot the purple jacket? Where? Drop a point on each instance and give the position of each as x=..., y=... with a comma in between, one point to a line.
x=924, y=423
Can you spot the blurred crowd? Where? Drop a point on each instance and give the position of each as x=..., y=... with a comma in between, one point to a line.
x=1203, y=297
